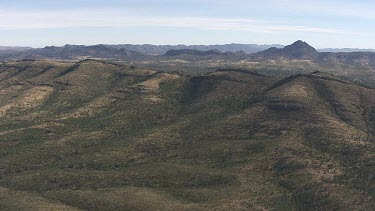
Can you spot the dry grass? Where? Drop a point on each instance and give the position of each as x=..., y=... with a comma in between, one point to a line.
x=28, y=100
x=20, y=200
x=154, y=83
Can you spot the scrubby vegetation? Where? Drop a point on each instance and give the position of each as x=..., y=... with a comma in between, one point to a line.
x=96, y=135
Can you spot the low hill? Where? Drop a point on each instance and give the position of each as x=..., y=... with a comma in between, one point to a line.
x=95, y=135
x=190, y=52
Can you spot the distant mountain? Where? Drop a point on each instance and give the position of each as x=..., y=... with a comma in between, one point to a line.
x=302, y=51
x=297, y=50
x=192, y=52
x=69, y=52
x=345, y=50
x=353, y=58
x=162, y=49
x=11, y=48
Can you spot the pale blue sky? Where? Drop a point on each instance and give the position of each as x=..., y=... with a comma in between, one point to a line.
x=322, y=23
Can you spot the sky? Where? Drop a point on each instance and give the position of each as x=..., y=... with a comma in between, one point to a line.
x=321, y=23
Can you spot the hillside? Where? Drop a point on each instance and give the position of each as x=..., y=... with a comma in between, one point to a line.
x=95, y=135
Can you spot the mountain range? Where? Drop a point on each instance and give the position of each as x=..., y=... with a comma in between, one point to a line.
x=192, y=52
x=71, y=52
x=148, y=49
x=299, y=50
x=162, y=49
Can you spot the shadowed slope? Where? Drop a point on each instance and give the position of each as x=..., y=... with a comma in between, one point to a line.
x=106, y=136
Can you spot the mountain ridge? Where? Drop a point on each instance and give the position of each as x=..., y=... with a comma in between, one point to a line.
x=297, y=51
x=77, y=133
x=150, y=49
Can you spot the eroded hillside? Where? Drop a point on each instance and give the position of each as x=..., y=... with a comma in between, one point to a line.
x=102, y=136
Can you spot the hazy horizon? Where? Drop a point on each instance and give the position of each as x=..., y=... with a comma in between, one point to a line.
x=274, y=44
x=323, y=24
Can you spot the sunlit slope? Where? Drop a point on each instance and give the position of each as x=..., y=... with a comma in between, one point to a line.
x=95, y=135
